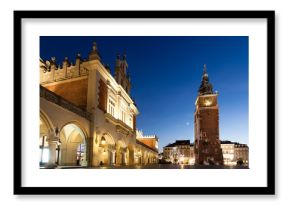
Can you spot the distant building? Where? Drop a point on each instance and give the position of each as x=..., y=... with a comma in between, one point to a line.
x=235, y=153
x=160, y=156
x=179, y=152
x=242, y=153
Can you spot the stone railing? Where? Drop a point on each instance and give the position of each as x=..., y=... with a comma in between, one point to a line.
x=58, y=100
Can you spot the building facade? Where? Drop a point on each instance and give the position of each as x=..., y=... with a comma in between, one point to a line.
x=179, y=152
x=87, y=117
x=151, y=143
x=235, y=153
x=206, y=125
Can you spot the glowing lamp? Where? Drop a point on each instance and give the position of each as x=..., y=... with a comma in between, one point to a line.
x=103, y=141
x=58, y=142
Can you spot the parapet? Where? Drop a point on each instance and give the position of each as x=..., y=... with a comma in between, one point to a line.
x=50, y=71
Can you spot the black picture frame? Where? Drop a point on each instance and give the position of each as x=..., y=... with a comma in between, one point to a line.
x=18, y=95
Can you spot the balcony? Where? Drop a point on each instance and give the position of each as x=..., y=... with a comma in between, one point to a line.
x=58, y=100
x=121, y=127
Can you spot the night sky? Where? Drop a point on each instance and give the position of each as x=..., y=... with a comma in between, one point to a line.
x=166, y=73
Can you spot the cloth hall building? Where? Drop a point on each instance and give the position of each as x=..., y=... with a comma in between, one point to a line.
x=87, y=117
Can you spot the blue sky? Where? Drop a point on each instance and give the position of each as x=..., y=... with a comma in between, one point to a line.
x=166, y=73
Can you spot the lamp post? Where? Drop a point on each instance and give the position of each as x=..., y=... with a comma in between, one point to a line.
x=58, y=142
x=58, y=151
x=102, y=144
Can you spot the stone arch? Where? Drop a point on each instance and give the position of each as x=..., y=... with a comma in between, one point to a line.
x=121, y=143
x=46, y=120
x=106, y=149
x=73, y=148
x=78, y=125
x=108, y=138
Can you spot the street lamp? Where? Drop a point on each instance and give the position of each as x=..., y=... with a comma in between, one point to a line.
x=58, y=150
x=103, y=143
x=103, y=140
x=58, y=142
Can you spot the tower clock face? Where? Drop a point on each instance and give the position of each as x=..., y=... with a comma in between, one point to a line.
x=207, y=102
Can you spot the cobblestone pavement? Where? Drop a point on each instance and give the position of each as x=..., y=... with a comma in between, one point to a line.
x=160, y=166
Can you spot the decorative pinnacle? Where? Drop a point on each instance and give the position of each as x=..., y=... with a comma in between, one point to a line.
x=204, y=68
x=94, y=46
x=124, y=56
x=94, y=54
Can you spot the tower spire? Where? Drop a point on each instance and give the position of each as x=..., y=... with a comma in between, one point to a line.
x=206, y=86
x=121, y=75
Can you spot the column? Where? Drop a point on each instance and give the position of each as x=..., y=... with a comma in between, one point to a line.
x=123, y=158
x=109, y=157
x=113, y=157
x=131, y=157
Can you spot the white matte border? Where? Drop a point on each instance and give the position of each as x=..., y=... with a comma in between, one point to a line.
x=256, y=176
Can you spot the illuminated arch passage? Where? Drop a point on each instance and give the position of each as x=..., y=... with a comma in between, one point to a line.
x=72, y=146
x=43, y=141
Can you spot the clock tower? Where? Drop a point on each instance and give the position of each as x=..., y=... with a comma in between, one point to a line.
x=207, y=146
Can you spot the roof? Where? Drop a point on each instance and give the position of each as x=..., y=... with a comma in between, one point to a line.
x=182, y=142
x=227, y=142
x=235, y=143
x=171, y=145
x=144, y=145
x=179, y=142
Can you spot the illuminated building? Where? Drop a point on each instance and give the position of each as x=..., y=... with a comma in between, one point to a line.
x=235, y=153
x=87, y=117
x=242, y=154
x=181, y=152
x=149, y=141
x=206, y=125
x=228, y=150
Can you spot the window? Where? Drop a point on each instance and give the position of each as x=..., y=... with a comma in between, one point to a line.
x=111, y=107
x=131, y=121
x=80, y=154
x=123, y=117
